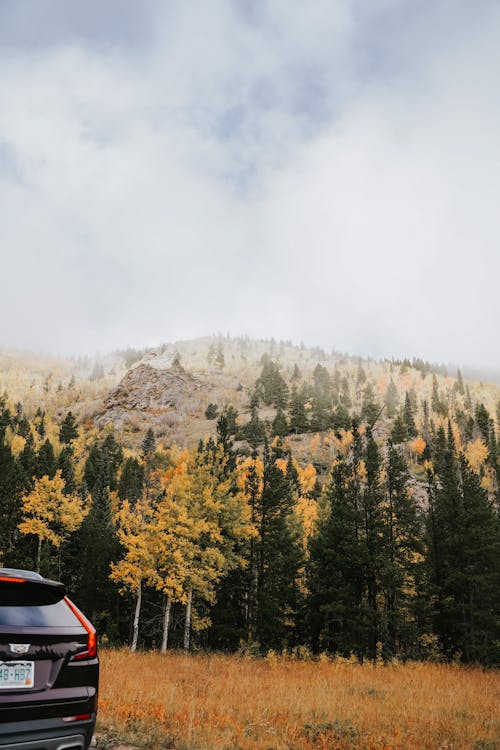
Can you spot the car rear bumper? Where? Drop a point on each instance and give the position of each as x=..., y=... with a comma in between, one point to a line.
x=47, y=734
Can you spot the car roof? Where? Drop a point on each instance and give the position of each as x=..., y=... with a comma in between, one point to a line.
x=22, y=573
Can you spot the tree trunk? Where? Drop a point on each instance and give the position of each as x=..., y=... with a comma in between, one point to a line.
x=135, y=636
x=39, y=554
x=166, y=624
x=187, y=623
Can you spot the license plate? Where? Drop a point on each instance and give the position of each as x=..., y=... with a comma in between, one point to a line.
x=16, y=674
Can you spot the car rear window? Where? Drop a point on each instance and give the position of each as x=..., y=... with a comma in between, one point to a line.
x=57, y=615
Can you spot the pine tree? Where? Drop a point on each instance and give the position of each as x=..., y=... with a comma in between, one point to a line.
x=337, y=608
x=298, y=416
x=254, y=430
x=28, y=462
x=65, y=466
x=99, y=547
x=370, y=409
x=68, y=431
x=398, y=431
x=408, y=417
x=46, y=460
x=402, y=571
x=279, y=557
x=280, y=424
x=12, y=484
x=131, y=481
x=373, y=528
x=483, y=422
x=149, y=443
x=391, y=399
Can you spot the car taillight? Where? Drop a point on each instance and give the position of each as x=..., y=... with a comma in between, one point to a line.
x=92, y=637
x=11, y=579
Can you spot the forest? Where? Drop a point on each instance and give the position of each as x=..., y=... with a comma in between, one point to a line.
x=338, y=506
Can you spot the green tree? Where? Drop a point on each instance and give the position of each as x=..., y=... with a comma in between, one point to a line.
x=46, y=460
x=68, y=431
x=298, y=417
x=149, y=443
x=391, y=399
x=409, y=418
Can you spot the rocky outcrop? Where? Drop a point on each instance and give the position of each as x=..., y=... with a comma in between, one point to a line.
x=150, y=391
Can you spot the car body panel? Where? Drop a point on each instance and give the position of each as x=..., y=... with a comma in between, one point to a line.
x=37, y=620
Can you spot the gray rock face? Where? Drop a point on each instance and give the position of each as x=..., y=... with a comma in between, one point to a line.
x=152, y=392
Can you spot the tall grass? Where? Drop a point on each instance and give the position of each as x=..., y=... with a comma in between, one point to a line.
x=230, y=703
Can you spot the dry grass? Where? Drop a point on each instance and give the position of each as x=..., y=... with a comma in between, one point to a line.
x=230, y=703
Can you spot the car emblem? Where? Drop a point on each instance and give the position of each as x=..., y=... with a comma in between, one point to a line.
x=19, y=648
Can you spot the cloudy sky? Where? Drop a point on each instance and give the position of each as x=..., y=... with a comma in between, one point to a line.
x=325, y=171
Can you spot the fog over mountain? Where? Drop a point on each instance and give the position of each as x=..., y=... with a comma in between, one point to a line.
x=317, y=171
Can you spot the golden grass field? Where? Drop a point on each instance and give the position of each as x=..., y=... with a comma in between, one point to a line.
x=230, y=703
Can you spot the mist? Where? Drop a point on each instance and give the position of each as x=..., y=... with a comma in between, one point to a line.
x=318, y=172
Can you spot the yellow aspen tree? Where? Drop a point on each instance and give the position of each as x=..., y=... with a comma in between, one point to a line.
x=418, y=446
x=134, y=531
x=208, y=519
x=49, y=514
x=476, y=453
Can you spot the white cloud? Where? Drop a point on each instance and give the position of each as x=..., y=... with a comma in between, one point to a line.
x=245, y=172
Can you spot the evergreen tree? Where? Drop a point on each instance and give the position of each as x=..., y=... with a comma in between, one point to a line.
x=483, y=422
x=11, y=486
x=211, y=412
x=372, y=501
x=280, y=424
x=298, y=416
x=68, y=431
x=435, y=400
x=65, y=465
x=398, y=431
x=41, y=425
x=271, y=385
x=337, y=607
x=408, y=417
x=402, y=572
x=370, y=409
x=391, y=399
x=279, y=558
x=225, y=442
x=99, y=547
x=231, y=415
x=28, y=462
x=131, y=481
x=254, y=430
x=345, y=396
x=149, y=443
x=46, y=460
x=23, y=428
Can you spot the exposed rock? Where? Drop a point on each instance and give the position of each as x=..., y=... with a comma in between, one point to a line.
x=153, y=388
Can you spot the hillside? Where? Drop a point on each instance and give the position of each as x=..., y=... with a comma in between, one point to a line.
x=281, y=496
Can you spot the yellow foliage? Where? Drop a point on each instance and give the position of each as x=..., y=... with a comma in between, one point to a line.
x=17, y=444
x=135, y=533
x=197, y=524
x=307, y=478
x=48, y=513
x=418, y=445
x=476, y=453
x=361, y=472
x=429, y=466
x=307, y=511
